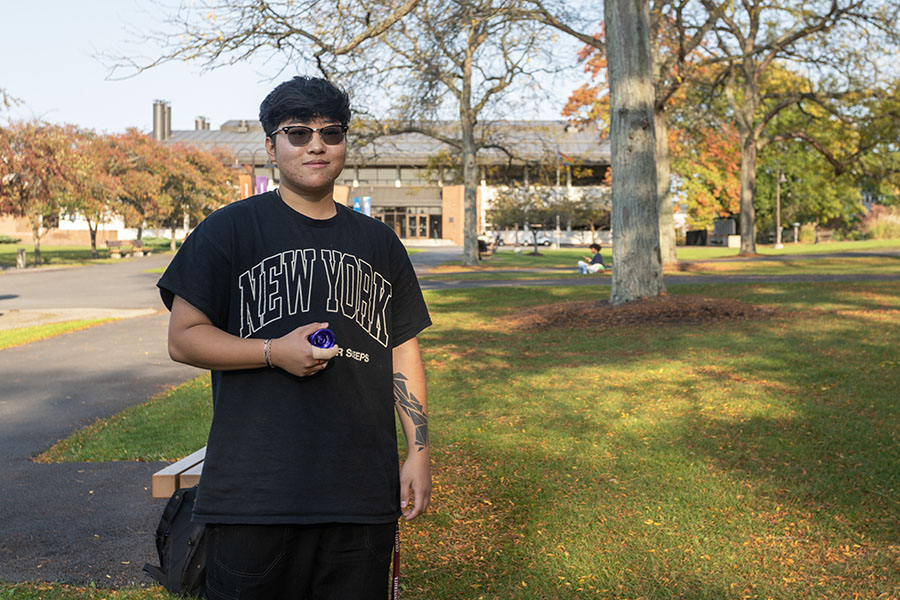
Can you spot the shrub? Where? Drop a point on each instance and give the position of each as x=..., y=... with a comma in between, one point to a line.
x=808, y=233
x=882, y=223
x=159, y=243
x=5, y=239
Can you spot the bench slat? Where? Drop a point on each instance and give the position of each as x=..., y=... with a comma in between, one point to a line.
x=166, y=480
x=191, y=477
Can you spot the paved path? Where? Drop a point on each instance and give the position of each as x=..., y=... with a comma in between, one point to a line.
x=125, y=284
x=76, y=523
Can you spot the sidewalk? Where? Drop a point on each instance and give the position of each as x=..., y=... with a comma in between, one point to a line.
x=77, y=523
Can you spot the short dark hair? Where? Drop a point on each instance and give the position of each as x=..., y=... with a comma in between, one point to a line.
x=595, y=247
x=304, y=98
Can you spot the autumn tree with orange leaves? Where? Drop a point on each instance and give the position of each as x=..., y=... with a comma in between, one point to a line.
x=47, y=171
x=707, y=162
x=703, y=156
x=838, y=45
x=193, y=183
x=96, y=164
x=34, y=175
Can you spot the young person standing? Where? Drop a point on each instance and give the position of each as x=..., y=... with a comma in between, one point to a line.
x=301, y=486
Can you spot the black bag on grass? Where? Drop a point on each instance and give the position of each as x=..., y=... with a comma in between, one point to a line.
x=181, y=545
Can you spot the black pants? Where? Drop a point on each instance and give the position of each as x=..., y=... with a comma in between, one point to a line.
x=299, y=562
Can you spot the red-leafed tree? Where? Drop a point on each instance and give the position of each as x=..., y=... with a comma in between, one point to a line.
x=194, y=182
x=708, y=162
x=35, y=175
x=590, y=101
x=141, y=181
x=96, y=164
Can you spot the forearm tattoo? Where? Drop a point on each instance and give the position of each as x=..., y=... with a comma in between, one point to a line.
x=410, y=405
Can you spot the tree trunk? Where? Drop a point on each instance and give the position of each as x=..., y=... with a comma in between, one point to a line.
x=93, y=232
x=172, y=241
x=748, y=190
x=36, y=239
x=663, y=185
x=637, y=268
x=470, y=183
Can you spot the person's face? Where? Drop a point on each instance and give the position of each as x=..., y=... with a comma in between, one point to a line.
x=309, y=170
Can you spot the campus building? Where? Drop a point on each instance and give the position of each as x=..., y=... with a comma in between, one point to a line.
x=412, y=181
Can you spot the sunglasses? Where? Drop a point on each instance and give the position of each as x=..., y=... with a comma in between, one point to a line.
x=299, y=136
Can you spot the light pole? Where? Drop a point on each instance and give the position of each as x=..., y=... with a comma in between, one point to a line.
x=781, y=179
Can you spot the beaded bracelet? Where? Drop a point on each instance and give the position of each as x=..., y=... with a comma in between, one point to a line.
x=267, y=350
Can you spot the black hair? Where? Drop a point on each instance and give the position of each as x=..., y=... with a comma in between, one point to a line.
x=595, y=247
x=304, y=98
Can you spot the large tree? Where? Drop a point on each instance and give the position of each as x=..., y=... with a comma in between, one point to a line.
x=637, y=267
x=677, y=29
x=412, y=62
x=838, y=44
x=35, y=175
x=465, y=60
x=96, y=163
x=193, y=183
x=146, y=163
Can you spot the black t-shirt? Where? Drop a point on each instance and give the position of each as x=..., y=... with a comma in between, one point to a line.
x=286, y=449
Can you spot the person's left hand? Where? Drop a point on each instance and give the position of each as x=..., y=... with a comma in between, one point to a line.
x=415, y=476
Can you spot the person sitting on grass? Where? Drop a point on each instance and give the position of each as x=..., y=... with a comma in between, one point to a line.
x=595, y=262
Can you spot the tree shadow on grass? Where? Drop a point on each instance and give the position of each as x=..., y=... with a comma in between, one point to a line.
x=795, y=418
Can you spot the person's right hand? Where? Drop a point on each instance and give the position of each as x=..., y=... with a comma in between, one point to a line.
x=294, y=353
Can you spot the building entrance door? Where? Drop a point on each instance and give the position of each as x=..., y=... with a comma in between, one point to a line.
x=417, y=226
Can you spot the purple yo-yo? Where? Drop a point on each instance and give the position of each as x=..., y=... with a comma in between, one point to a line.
x=322, y=338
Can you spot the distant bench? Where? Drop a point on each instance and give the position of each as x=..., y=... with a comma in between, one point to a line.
x=181, y=474
x=119, y=248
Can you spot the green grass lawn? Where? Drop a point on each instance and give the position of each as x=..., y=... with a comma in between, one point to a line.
x=24, y=335
x=739, y=459
x=54, y=255
x=64, y=255
x=694, y=261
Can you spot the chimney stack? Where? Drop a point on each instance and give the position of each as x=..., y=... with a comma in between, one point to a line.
x=201, y=124
x=167, y=127
x=162, y=120
x=159, y=115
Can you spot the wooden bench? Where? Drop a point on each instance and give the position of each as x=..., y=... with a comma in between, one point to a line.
x=181, y=474
x=139, y=246
x=118, y=248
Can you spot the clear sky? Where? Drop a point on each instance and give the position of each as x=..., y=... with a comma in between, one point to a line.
x=47, y=60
